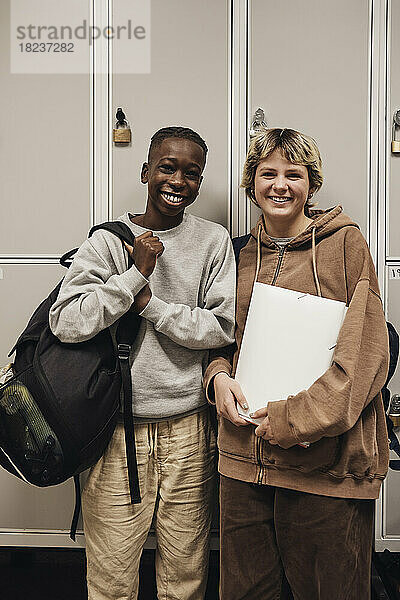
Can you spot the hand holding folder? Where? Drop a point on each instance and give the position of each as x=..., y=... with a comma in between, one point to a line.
x=288, y=343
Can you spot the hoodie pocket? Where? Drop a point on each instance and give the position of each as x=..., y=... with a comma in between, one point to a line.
x=359, y=452
x=236, y=441
x=321, y=455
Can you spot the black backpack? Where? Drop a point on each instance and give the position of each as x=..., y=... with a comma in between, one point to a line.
x=394, y=443
x=60, y=408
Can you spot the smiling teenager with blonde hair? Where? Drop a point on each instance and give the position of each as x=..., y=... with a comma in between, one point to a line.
x=306, y=513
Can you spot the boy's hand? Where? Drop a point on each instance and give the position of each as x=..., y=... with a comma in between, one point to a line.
x=142, y=299
x=227, y=393
x=145, y=251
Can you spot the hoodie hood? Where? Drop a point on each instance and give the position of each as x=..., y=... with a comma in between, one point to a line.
x=324, y=223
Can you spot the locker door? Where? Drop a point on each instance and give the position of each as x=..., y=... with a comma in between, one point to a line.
x=49, y=174
x=317, y=67
x=393, y=212
x=309, y=71
x=187, y=85
x=45, y=210
x=389, y=514
x=44, y=156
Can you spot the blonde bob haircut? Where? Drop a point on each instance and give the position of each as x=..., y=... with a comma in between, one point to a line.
x=296, y=147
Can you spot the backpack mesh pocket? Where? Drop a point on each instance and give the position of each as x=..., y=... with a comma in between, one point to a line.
x=26, y=438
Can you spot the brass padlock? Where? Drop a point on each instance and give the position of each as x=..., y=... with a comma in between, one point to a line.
x=396, y=123
x=122, y=134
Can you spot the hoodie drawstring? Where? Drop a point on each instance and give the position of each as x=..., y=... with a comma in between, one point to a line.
x=258, y=253
x=314, y=263
x=314, y=258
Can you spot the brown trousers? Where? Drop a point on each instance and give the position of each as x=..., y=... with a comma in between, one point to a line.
x=322, y=545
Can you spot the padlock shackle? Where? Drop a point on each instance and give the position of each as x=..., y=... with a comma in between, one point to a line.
x=395, y=126
x=122, y=124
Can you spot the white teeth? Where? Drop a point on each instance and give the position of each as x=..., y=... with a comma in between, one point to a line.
x=171, y=198
x=280, y=198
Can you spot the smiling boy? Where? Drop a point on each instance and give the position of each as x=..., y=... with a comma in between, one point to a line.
x=182, y=284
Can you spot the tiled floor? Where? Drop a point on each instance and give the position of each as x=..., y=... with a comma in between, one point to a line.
x=386, y=566
x=50, y=574
x=60, y=575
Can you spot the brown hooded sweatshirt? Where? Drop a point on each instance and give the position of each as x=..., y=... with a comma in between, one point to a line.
x=341, y=414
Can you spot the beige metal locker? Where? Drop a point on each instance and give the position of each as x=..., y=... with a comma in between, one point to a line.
x=309, y=71
x=45, y=210
x=22, y=287
x=393, y=205
x=318, y=66
x=388, y=514
x=187, y=86
x=44, y=157
x=72, y=189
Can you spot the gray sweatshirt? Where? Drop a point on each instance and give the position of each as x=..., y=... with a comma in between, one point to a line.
x=190, y=312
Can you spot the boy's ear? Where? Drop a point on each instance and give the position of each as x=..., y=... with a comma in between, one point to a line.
x=144, y=175
x=199, y=186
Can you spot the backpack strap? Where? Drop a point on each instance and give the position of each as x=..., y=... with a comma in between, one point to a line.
x=77, y=509
x=118, y=228
x=394, y=350
x=66, y=259
x=127, y=330
x=239, y=243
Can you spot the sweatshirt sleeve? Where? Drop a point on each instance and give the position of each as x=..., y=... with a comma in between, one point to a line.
x=333, y=403
x=220, y=362
x=209, y=326
x=93, y=295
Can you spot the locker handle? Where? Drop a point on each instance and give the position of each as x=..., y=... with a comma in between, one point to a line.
x=258, y=122
x=395, y=125
x=120, y=116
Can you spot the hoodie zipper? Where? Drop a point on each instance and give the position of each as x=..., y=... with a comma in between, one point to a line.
x=261, y=468
x=261, y=471
x=278, y=266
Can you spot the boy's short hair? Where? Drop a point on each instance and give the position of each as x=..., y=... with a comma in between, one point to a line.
x=176, y=132
x=296, y=147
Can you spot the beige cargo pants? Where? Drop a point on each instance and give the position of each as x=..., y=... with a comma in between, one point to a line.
x=176, y=461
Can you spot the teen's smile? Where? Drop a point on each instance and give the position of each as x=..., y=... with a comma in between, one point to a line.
x=280, y=199
x=172, y=198
x=173, y=176
x=281, y=189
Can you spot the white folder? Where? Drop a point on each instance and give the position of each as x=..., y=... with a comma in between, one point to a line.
x=288, y=343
